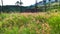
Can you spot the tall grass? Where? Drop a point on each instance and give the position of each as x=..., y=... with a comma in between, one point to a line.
x=38, y=24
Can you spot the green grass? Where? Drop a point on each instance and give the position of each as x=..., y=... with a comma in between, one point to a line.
x=19, y=24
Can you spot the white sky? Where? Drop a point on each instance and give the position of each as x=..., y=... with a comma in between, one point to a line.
x=25, y=2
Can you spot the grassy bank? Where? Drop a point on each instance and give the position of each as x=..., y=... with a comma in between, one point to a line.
x=30, y=23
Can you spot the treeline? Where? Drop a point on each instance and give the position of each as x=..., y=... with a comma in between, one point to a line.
x=19, y=8
x=12, y=8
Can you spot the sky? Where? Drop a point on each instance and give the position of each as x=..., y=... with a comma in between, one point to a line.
x=25, y=2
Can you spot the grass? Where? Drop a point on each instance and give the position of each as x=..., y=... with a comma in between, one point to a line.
x=30, y=23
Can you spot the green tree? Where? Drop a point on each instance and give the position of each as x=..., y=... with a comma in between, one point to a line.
x=1, y=6
x=21, y=5
x=36, y=6
x=50, y=5
x=59, y=3
x=56, y=0
x=17, y=3
x=44, y=2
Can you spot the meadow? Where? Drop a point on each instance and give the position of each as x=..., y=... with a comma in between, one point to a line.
x=30, y=23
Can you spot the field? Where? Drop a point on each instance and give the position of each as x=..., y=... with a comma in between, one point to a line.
x=30, y=23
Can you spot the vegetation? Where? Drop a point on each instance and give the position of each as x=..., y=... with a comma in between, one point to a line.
x=30, y=23
x=51, y=5
x=41, y=23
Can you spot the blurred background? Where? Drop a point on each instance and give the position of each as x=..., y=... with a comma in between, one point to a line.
x=29, y=5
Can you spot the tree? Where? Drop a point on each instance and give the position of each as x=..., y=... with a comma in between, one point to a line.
x=21, y=5
x=59, y=3
x=56, y=0
x=50, y=5
x=44, y=2
x=2, y=6
x=36, y=6
x=17, y=3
